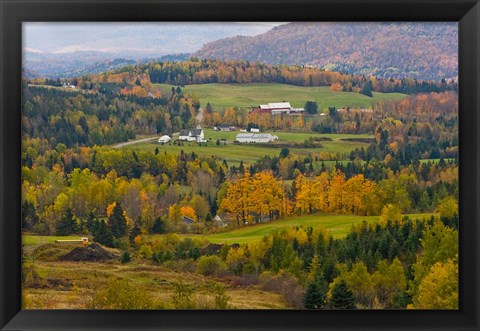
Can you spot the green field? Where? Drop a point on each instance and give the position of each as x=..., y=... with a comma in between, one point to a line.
x=249, y=153
x=30, y=240
x=222, y=96
x=337, y=225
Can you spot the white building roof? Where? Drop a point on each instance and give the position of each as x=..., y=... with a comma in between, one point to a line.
x=279, y=105
x=254, y=135
x=245, y=135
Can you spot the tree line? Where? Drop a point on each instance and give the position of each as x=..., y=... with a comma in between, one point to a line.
x=73, y=118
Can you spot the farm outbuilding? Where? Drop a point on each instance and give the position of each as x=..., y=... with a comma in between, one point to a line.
x=276, y=108
x=164, y=139
x=255, y=138
x=225, y=128
x=219, y=222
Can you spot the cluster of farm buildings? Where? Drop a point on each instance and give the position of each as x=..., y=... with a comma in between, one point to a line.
x=192, y=135
x=253, y=136
x=197, y=135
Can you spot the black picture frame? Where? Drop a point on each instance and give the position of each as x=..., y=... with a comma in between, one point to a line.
x=14, y=12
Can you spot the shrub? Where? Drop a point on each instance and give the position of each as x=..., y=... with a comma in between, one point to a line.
x=145, y=251
x=182, y=297
x=210, y=265
x=219, y=293
x=30, y=276
x=158, y=226
x=121, y=294
x=285, y=284
x=126, y=257
x=121, y=243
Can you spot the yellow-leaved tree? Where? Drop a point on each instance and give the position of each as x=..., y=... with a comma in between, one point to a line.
x=439, y=288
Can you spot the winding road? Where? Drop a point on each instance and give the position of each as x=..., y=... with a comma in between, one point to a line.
x=199, y=119
x=134, y=142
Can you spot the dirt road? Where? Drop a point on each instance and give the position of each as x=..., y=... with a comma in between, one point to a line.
x=134, y=142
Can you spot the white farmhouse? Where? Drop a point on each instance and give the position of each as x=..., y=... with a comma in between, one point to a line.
x=255, y=138
x=164, y=139
x=192, y=135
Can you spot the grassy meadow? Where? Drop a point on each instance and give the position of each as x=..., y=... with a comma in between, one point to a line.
x=336, y=225
x=72, y=285
x=222, y=96
x=249, y=153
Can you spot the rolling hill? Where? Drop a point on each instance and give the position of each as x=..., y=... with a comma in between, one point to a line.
x=398, y=50
x=222, y=96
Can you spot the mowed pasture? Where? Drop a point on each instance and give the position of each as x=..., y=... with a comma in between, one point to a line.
x=249, y=153
x=336, y=225
x=222, y=96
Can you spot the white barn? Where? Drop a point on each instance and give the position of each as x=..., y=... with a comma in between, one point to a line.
x=255, y=138
x=164, y=139
x=280, y=108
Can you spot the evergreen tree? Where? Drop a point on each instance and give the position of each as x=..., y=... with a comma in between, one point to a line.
x=29, y=215
x=241, y=167
x=311, y=107
x=91, y=222
x=133, y=234
x=367, y=89
x=208, y=108
x=117, y=222
x=284, y=152
x=67, y=224
x=342, y=297
x=424, y=201
x=158, y=226
x=315, y=295
x=314, y=269
x=103, y=234
x=208, y=218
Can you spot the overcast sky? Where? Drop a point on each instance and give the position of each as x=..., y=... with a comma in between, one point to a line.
x=150, y=38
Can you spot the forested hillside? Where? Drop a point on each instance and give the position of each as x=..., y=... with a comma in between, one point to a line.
x=197, y=71
x=422, y=51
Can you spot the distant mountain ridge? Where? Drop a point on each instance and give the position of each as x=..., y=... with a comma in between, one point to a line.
x=63, y=50
x=398, y=50
x=77, y=64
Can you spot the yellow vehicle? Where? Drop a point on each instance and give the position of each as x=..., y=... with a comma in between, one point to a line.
x=83, y=241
